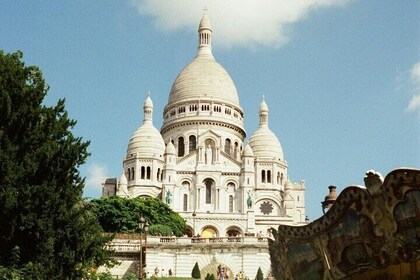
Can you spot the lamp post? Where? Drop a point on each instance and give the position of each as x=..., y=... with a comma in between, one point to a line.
x=193, y=215
x=143, y=226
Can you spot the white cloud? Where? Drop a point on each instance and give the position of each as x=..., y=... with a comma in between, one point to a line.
x=415, y=73
x=246, y=23
x=414, y=103
x=95, y=174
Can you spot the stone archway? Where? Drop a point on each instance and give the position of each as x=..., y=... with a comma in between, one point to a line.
x=212, y=268
x=234, y=231
x=189, y=231
x=209, y=232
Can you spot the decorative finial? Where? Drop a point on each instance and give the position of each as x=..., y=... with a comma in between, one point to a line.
x=205, y=10
x=263, y=97
x=148, y=93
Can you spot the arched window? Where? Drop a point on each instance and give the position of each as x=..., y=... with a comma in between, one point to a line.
x=278, y=178
x=281, y=179
x=143, y=172
x=209, y=185
x=132, y=173
x=129, y=174
x=185, y=208
x=186, y=184
x=268, y=176
x=230, y=203
x=148, y=173
x=227, y=146
x=181, y=147
x=263, y=176
x=192, y=143
x=235, y=154
x=158, y=174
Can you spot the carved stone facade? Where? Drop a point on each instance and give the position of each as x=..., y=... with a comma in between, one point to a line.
x=200, y=164
x=368, y=233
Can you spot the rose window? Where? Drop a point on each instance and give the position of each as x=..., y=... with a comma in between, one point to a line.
x=266, y=208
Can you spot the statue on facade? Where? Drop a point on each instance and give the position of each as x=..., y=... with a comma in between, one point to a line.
x=249, y=200
x=168, y=197
x=209, y=155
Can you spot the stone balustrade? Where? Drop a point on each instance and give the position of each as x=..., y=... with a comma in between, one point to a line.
x=131, y=243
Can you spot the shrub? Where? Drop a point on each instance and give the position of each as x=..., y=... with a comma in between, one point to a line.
x=196, y=272
x=260, y=275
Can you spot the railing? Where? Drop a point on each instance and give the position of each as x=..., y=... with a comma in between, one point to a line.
x=132, y=245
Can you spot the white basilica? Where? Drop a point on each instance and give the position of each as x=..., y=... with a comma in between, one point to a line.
x=200, y=164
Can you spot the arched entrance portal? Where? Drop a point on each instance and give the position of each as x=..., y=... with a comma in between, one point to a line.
x=189, y=231
x=209, y=232
x=234, y=232
x=216, y=269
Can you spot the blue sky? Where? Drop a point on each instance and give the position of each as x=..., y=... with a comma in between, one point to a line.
x=341, y=78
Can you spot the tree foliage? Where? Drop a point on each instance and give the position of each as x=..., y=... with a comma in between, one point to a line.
x=260, y=275
x=45, y=226
x=117, y=214
x=195, y=273
x=210, y=277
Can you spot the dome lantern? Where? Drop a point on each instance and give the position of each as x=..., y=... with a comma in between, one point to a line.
x=148, y=109
x=204, y=37
x=263, y=112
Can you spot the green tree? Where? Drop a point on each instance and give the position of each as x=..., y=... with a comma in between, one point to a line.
x=196, y=274
x=130, y=276
x=260, y=275
x=45, y=225
x=210, y=277
x=117, y=214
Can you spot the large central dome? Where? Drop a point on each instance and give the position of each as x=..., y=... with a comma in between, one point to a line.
x=205, y=79
x=203, y=92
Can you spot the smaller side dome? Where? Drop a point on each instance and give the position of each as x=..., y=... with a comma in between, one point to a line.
x=170, y=148
x=264, y=142
x=248, y=151
x=147, y=140
x=122, y=186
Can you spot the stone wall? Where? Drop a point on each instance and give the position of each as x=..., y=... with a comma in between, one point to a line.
x=237, y=254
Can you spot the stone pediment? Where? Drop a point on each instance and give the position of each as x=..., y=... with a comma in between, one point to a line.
x=228, y=164
x=209, y=134
x=188, y=162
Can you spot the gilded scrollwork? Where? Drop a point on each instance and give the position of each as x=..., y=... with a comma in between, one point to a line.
x=366, y=229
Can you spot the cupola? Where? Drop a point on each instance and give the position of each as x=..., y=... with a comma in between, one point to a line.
x=146, y=140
